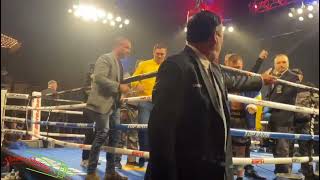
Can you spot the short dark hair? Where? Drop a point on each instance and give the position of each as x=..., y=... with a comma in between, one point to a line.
x=297, y=71
x=234, y=58
x=201, y=26
x=159, y=46
x=118, y=40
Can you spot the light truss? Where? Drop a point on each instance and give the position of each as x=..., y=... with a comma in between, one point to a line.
x=8, y=42
x=261, y=6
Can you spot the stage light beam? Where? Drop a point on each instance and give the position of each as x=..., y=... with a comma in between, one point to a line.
x=118, y=19
x=310, y=8
x=230, y=29
x=110, y=16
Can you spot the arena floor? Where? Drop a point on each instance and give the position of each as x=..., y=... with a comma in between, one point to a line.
x=71, y=159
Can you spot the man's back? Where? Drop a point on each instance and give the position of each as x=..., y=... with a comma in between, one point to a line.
x=184, y=111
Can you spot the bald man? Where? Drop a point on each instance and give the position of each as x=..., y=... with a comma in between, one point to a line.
x=280, y=120
x=103, y=106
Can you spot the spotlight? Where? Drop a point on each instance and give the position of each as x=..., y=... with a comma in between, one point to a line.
x=101, y=14
x=310, y=7
x=256, y=6
x=223, y=28
x=86, y=18
x=230, y=29
x=310, y=15
x=118, y=19
x=300, y=11
x=185, y=29
x=290, y=14
x=301, y=18
x=120, y=26
x=77, y=13
x=91, y=12
x=94, y=14
x=110, y=16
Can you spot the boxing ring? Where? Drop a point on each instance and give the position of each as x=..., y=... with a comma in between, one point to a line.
x=64, y=163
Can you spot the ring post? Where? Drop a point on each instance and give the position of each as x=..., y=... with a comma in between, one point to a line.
x=35, y=114
x=3, y=103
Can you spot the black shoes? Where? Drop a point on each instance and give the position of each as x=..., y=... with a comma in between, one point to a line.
x=141, y=162
x=250, y=172
x=118, y=165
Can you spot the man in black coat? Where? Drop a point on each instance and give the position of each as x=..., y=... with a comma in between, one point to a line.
x=189, y=124
x=281, y=120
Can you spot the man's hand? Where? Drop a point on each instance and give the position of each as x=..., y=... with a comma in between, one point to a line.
x=139, y=88
x=124, y=88
x=263, y=54
x=252, y=109
x=55, y=95
x=268, y=79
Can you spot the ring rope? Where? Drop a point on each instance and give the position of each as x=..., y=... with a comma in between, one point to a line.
x=245, y=100
x=62, y=100
x=234, y=132
x=127, y=80
x=17, y=96
x=61, y=107
x=301, y=86
x=242, y=133
x=236, y=161
x=231, y=97
x=64, y=111
x=153, y=74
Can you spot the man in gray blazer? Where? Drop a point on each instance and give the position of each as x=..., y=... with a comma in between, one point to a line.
x=103, y=105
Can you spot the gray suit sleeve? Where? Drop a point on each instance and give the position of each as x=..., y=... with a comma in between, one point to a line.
x=100, y=75
x=239, y=82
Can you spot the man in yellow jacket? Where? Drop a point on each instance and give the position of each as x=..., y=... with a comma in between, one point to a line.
x=144, y=88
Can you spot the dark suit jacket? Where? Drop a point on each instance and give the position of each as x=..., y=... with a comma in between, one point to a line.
x=283, y=94
x=45, y=101
x=186, y=130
